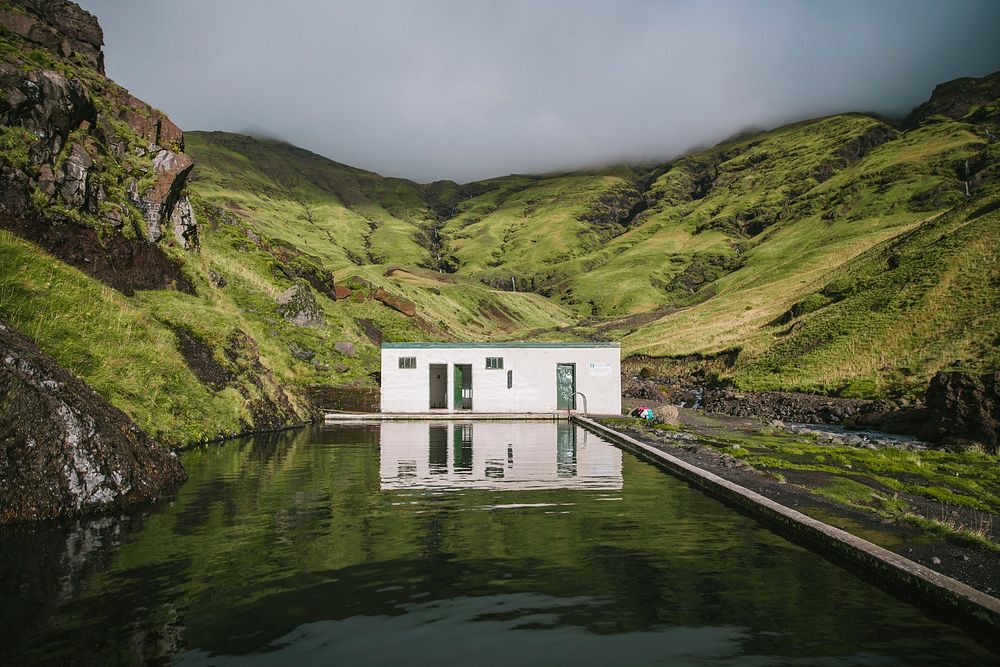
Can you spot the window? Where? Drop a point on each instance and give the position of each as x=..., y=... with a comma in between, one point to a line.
x=510, y=379
x=407, y=362
x=495, y=363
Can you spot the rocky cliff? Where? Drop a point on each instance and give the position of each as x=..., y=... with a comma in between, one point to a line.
x=88, y=172
x=95, y=179
x=65, y=450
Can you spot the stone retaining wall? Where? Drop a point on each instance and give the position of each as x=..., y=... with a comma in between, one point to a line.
x=345, y=399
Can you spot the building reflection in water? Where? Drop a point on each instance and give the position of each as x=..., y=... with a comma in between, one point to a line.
x=496, y=455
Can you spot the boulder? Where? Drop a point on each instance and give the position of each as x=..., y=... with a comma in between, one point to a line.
x=341, y=292
x=64, y=450
x=667, y=414
x=397, y=303
x=344, y=348
x=962, y=407
x=298, y=306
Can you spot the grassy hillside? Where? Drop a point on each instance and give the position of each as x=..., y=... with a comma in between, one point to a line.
x=770, y=251
x=839, y=254
x=888, y=273
x=168, y=300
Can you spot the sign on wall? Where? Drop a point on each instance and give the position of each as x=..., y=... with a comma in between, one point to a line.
x=600, y=368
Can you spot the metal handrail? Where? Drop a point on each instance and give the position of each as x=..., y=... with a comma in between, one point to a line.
x=569, y=410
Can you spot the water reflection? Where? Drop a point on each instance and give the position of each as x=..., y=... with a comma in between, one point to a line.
x=496, y=455
x=351, y=545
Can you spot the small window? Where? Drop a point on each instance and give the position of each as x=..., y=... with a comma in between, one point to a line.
x=510, y=379
x=495, y=363
x=407, y=362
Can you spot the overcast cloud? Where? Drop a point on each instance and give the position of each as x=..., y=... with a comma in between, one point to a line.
x=467, y=89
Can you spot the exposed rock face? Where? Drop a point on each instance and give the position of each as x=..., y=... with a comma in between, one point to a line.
x=82, y=152
x=64, y=450
x=200, y=358
x=860, y=146
x=613, y=212
x=956, y=98
x=962, y=408
x=397, y=303
x=791, y=406
x=120, y=262
x=164, y=199
x=48, y=105
x=184, y=224
x=59, y=26
x=298, y=306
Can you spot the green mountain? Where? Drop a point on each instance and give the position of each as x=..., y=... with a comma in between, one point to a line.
x=842, y=254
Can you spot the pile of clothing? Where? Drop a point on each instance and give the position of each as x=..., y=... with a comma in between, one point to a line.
x=643, y=412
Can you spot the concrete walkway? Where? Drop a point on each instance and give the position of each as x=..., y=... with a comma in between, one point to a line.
x=442, y=414
x=968, y=606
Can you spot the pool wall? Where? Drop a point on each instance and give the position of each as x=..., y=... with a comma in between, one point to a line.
x=974, y=609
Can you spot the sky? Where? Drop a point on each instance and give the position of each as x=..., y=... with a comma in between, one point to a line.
x=468, y=89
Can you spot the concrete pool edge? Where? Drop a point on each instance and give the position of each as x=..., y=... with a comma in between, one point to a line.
x=456, y=415
x=447, y=415
x=970, y=604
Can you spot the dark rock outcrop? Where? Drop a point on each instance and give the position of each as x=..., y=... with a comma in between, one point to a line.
x=864, y=143
x=200, y=358
x=614, y=210
x=794, y=407
x=58, y=26
x=956, y=98
x=962, y=408
x=64, y=450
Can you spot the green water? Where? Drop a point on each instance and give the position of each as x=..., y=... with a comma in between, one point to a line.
x=485, y=544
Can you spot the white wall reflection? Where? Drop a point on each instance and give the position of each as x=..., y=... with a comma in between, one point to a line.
x=496, y=455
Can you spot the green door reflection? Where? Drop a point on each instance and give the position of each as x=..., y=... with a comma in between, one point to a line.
x=566, y=386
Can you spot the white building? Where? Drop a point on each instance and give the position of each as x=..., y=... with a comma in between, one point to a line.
x=501, y=377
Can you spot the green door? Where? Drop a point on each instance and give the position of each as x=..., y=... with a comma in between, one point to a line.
x=457, y=388
x=565, y=386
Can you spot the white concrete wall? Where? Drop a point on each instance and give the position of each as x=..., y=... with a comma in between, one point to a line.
x=598, y=376
x=506, y=455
